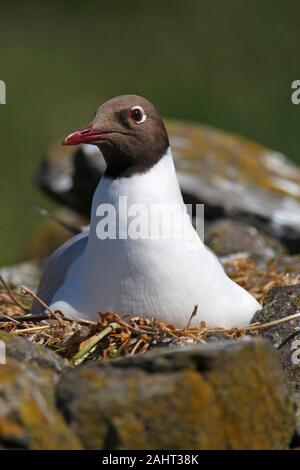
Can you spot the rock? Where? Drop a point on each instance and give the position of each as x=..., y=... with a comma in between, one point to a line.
x=29, y=418
x=22, y=350
x=27, y=273
x=296, y=438
x=70, y=175
x=279, y=303
x=231, y=175
x=229, y=395
x=228, y=236
x=216, y=337
x=13, y=436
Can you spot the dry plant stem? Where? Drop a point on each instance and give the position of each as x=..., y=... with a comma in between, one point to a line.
x=123, y=346
x=126, y=325
x=80, y=355
x=10, y=294
x=194, y=313
x=5, y=318
x=27, y=291
x=136, y=346
x=30, y=330
x=271, y=323
x=171, y=333
x=254, y=326
x=194, y=337
x=144, y=348
x=82, y=321
x=31, y=317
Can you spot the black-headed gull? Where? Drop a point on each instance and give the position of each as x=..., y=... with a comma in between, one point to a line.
x=118, y=265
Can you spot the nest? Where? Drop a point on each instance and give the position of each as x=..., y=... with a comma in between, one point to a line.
x=79, y=340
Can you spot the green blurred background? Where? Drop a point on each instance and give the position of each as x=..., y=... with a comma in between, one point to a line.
x=226, y=63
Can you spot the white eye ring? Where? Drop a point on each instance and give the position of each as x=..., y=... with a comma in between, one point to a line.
x=137, y=114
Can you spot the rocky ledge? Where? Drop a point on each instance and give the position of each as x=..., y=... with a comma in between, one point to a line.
x=225, y=395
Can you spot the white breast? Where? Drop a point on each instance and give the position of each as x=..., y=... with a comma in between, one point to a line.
x=162, y=278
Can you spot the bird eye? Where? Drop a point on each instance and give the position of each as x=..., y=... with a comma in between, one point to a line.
x=137, y=114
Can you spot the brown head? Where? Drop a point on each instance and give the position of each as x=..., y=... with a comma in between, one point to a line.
x=130, y=134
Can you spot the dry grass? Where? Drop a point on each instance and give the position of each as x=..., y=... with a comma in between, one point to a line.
x=79, y=340
x=256, y=280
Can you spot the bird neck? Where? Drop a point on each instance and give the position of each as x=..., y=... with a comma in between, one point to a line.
x=158, y=187
x=159, y=184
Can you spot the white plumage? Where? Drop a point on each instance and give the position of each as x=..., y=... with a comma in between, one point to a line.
x=162, y=278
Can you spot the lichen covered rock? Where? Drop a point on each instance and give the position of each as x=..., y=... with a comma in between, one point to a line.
x=29, y=418
x=228, y=395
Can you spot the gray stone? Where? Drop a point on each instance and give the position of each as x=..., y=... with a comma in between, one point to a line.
x=228, y=236
x=27, y=273
x=23, y=350
x=279, y=303
x=289, y=264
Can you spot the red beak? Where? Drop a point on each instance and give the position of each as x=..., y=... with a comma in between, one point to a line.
x=87, y=135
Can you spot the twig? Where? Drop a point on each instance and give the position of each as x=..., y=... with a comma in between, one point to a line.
x=194, y=313
x=271, y=323
x=254, y=326
x=27, y=291
x=12, y=297
x=83, y=321
x=144, y=348
x=136, y=346
x=32, y=317
x=5, y=318
x=30, y=330
x=126, y=325
x=80, y=356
